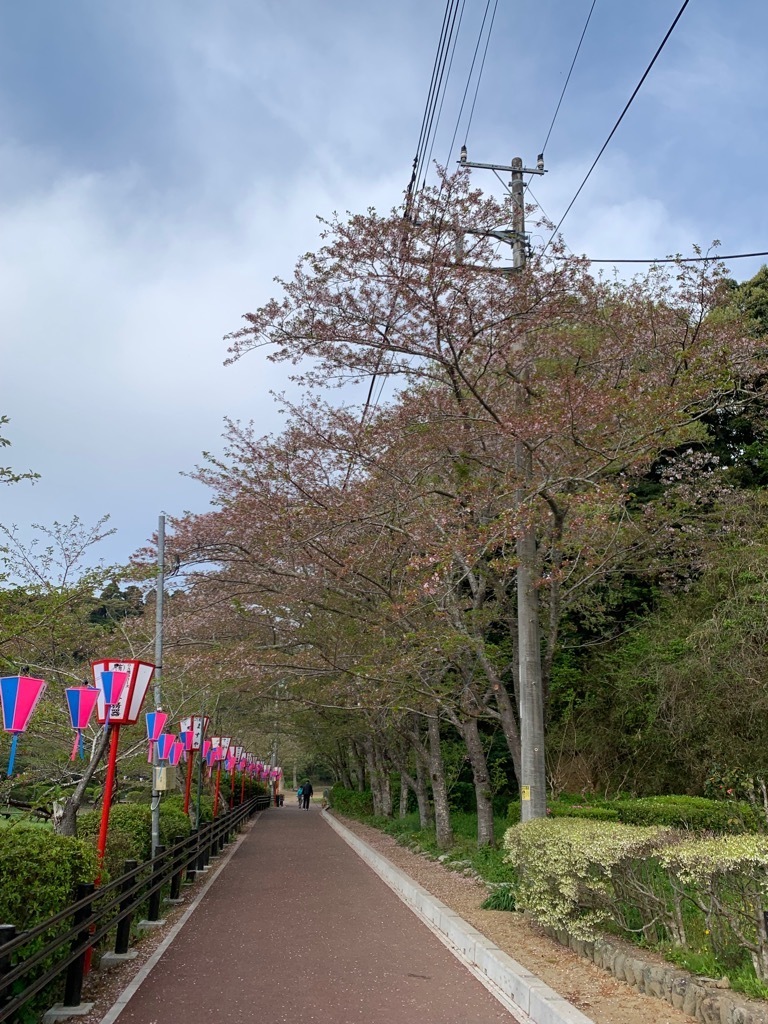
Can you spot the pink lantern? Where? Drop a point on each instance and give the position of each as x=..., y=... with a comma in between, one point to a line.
x=125, y=709
x=194, y=728
x=110, y=688
x=175, y=753
x=155, y=724
x=165, y=742
x=19, y=696
x=81, y=700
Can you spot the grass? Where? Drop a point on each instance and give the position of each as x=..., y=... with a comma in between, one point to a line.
x=27, y=819
x=487, y=861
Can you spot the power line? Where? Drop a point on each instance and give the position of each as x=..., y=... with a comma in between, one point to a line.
x=684, y=259
x=567, y=80
x=444, y=89
x=482, y=66
x=438, y=66
x=621, y=118
x=429, y=125
x=469, y=77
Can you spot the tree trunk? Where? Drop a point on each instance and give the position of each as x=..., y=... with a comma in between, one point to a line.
x=404, y=787
x=343, y=764
x=422, y=795
x=443, y=830
x=359, y=763
x=373, y=775
x=508, y=725
x=65, y=824
x=385, y=786
x=481, y=778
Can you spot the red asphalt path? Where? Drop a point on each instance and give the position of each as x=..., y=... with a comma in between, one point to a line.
x=298, y=929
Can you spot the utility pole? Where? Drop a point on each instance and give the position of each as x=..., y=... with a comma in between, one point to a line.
x=159, y=592
x=533, y=784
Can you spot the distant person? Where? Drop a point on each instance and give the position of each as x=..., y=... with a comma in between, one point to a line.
x=299, y=793
x=306, y=793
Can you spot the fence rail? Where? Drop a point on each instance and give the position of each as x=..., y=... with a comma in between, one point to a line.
x=31, y=960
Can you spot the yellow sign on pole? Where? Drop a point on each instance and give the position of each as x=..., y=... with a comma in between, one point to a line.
x=525, y=792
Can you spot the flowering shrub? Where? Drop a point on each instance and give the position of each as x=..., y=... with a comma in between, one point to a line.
x=727, y=880
x=663, y=885
x=574, y=872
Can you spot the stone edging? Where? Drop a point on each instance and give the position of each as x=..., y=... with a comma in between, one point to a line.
x=699, y=997
x=515, y=987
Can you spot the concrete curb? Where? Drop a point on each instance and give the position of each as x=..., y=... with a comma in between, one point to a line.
x=521, y=992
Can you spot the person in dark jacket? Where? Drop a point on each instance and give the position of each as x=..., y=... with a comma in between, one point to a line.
x=306, y=793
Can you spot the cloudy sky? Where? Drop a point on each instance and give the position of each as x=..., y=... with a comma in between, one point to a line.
x=161, y=162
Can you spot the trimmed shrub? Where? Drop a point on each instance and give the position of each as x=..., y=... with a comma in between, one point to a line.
x=40, y=870
x=573, y=873
x=173, y=821
x=129, y=838
x=691, y=813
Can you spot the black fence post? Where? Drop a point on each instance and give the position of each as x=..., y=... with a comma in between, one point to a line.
x=123, y=937
x=153, y=913
x=178, y=868
x=202, y=858
x=7, y=933
x=73, y=986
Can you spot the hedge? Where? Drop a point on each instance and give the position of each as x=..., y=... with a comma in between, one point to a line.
x=40, y=870
x=652, y=883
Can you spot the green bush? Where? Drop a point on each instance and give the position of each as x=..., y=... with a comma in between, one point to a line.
x=173, y=821
x=569, y=807
x=351, y=802
x=40, y=870
x=129, y=836
x=692, y=813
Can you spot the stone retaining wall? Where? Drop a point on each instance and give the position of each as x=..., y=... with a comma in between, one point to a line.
x=698, y=997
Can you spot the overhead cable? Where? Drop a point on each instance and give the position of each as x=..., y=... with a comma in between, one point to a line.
x=568, y=78
x=621, y=118
x=685, y=259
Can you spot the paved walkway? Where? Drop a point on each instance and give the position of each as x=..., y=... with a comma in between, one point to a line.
x=298, y=929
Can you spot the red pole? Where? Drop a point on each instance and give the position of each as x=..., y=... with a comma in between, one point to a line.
x=216, y=793
x=232, y=790
x=242, y=787
x=106, y=804
x=188, y=788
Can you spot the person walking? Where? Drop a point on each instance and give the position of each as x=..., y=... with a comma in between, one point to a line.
x=299, y=792
x=306, y=793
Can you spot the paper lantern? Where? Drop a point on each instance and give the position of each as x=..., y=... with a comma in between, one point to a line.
x=165, y=743
x=111, y=684
x=194, y=728
x=19, y=696
x=81, y=700
x=125, y=710
x=175, y=752
x=155, y=721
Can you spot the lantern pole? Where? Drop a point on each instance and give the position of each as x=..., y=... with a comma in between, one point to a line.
x=216, y=792
x=159, y=592
x=188, y=787
x=12, y=756
x=106, y=802
x=200, y=767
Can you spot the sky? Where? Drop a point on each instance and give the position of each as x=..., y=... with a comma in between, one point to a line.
x=161, y=163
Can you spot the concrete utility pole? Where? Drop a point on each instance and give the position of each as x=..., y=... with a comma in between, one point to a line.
x=159, y=592
x=533, y=784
